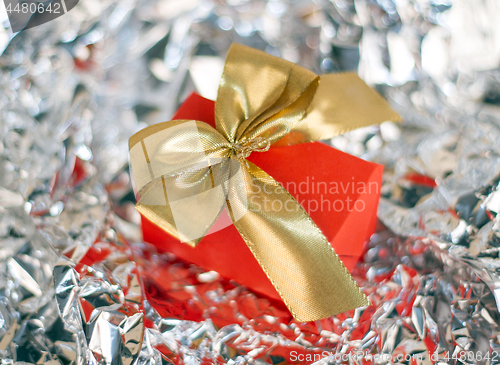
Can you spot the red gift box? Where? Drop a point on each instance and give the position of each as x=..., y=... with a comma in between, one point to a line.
x=340, y=193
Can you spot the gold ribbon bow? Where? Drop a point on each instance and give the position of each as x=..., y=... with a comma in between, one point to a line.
x=187, y=172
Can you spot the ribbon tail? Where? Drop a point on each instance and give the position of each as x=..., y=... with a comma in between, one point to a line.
x=342, y=102
x=290, y=248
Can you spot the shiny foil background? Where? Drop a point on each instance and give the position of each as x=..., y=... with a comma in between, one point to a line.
x=78, y=286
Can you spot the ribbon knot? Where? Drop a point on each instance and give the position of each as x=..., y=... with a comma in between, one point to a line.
x=243, y=149
x=184, y=178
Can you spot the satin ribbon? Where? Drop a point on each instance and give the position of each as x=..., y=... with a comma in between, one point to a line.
x=186, y=172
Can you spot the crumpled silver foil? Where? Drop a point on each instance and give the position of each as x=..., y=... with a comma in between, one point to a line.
x=77, y=284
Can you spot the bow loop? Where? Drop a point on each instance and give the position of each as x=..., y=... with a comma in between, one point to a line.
x=181, y=172
x=246, y=109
